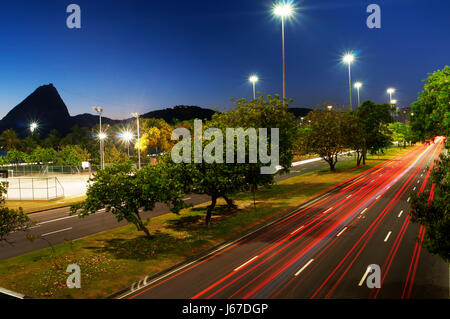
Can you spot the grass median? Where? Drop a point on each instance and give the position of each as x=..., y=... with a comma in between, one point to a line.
x=34, y=206
x=113, y=260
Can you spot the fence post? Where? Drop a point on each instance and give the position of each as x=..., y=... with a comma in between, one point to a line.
x=20, y=190
x=47, y=186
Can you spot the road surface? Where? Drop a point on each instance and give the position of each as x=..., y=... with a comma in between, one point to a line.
x=324, y=248
x=55, y=226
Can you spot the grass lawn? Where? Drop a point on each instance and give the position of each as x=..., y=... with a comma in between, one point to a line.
x=39, y=205
x=113, y=260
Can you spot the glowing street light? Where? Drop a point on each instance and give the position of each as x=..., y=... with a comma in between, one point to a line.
x=348, y=59
x=136, y=115
x=253, y=79
x=33, y=127
x=127, y=137
x=358, y=85
x=393, y=102
x=390, y=91
x=283, y=10
x=330, y=107
x=102, y=136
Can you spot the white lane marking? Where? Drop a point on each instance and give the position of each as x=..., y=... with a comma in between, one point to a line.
x=387, y=237
x=328, y=210
x=365, y=210
x=304, y=267
x=400, y=215
x=349, y=196
x=55, y=220
x=409, y=198
x=414, y=188
x=365, y=275
x=57, y=231
x=378, y=197
x=245, y=264
x=421, y=175
x=340, y=233
x=295, y=231
x=188, y=198
x=418, y=182
x=67, y=217
x=388, y=187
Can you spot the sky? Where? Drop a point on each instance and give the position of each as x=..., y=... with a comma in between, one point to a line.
x=144, y=55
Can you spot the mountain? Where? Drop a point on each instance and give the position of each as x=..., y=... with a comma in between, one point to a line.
x=90, y=120
x=45, y=107
x=181, y=113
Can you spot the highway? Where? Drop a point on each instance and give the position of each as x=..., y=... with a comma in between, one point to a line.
x=55, y=226
x=324, y=248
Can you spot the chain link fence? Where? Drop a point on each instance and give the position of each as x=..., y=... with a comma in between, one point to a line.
x=34, y=188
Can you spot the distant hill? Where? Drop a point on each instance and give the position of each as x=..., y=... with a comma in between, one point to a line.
x=181, y=113
x=90, y=120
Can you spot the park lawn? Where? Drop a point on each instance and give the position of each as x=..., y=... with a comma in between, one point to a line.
x=113, y=260
x=30, y=207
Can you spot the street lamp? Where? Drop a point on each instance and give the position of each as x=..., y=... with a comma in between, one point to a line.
x=390, y=91
x=127, y=137
x=253, y=79
x=102, y=136
x=33, y=127
x=358, y=85
x=283, y=10
x=348, y=59
x=136, y=115
x=330, y=107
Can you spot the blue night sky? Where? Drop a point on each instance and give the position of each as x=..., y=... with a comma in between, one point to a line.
x=143, y=55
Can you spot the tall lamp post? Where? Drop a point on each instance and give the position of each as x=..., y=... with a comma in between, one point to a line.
x=253, y=79
x=390, y=91
x=101, y=137
x=283, y=10
x=348, y=59
x=358, y=86
x=136, y=115
x=127, y=137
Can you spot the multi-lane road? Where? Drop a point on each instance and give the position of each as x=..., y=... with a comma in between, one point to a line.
x=324, y=248
x=55, y=226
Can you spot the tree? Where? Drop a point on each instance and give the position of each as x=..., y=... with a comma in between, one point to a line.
x=432, y=108
x=16, y=157
x=156, y=136
x=115, y=156
x=43, y=155
x=323, y=135
x=219, y=179
x=52, y=140
x=11, y=220
x=72, y=155
x=354, y=135
x=432, y=210
x=374, y=119
x=401, y=133
x=124, y=192
x=9, y=140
